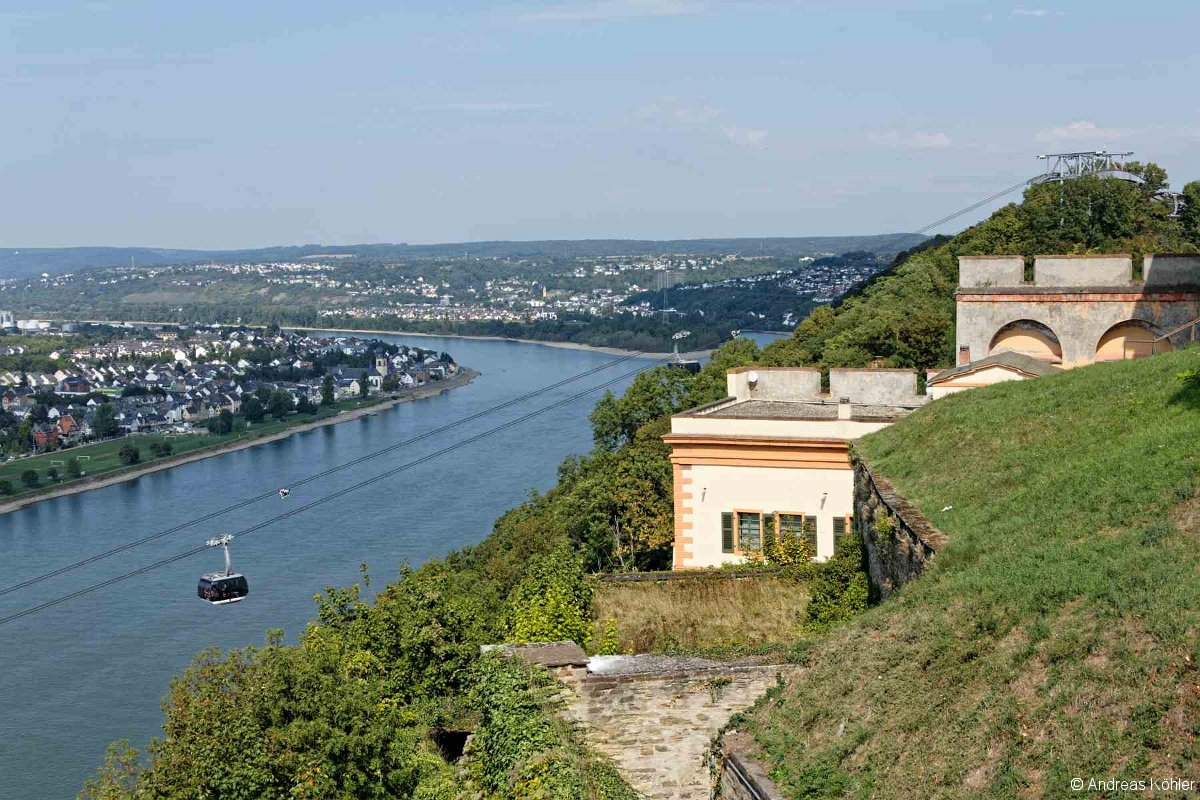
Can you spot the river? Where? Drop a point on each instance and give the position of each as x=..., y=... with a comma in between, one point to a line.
x=92, y=670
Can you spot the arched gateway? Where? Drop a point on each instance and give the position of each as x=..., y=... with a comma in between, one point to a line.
x=1027, y=337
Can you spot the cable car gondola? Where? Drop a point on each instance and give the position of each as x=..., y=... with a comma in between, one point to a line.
x=220, y=588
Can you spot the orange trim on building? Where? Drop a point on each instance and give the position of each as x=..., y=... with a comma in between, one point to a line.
x=1078, y=297
x=758, y=451
x=683, y=516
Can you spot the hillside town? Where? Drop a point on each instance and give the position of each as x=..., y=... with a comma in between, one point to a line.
x=496, y=290
x=167, y=379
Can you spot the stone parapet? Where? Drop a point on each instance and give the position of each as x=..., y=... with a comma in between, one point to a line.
x=898, y=539
x=739, y=776
x=656, y=716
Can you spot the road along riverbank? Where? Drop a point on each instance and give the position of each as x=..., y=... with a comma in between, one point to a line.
x=463, y=377
x=615, y=351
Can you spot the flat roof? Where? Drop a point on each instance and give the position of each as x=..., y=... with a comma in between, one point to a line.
x=805, y=410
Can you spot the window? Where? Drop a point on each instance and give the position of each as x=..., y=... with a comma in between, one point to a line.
x=843, y=525
x=749, y=531
x=798, y=525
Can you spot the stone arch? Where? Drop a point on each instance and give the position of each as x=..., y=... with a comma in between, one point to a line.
x=1028, y=337
x=1133, y=338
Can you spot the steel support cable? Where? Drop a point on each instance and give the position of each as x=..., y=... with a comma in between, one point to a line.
x=339, y=493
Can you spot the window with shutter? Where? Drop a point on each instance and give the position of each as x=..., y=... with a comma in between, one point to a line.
x=839, y=527
x=810, y=532
x=791, y=526
x=727, y=532
x=749, y=531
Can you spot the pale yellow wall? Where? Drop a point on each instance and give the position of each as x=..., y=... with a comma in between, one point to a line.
x=1128, y=341
x=1027, y=341
x=790, y=428
x=716, y=489
x=983, y=377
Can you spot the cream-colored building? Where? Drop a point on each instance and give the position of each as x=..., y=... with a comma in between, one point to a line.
x=1003, y=366
x=772, y=459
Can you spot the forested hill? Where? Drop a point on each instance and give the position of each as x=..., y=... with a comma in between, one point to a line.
x=906, y=315
x=20, y=261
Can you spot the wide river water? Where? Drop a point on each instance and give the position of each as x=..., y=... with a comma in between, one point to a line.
x=92, y=670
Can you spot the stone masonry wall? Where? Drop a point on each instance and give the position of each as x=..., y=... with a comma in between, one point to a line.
x=895, y=558
x=741, y=777
x=658, y=723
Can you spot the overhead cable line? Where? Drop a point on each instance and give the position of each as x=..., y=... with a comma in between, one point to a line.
x=391, y=448
x=339, y=493
x=316, y=476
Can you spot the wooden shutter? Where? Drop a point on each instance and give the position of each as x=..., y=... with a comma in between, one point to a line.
x=839, y=526
x=726, y=532
x=810, y=531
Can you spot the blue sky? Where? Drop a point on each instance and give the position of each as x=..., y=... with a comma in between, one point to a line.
x=223, y=124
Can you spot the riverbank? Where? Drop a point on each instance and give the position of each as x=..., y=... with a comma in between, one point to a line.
x=463, y=377
x=614, y=351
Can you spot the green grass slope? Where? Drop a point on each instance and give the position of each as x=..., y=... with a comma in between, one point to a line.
x=1054, y=637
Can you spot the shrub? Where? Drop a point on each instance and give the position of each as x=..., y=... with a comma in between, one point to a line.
x=74, y=469
x=553, y=601
x=839, y=586
x=29, y=477
x=610, y=639
x=789, y=551
x=129, y=454
x=522, y=749
x=6, y=487
x=52, y=474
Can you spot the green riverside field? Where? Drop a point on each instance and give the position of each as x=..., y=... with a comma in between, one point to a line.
x=101, y=460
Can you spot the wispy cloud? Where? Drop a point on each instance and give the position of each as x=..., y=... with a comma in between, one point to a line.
x=710, y=120
x=599, y=10
x=911, y=140
x=1037, y=13
x=496, y=106
x=1080, y=131
x=753, y=138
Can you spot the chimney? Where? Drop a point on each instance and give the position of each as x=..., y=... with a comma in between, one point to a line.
x=844, y=408
x=964, y=355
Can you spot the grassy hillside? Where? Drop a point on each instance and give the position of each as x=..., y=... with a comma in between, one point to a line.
x=1055, y=636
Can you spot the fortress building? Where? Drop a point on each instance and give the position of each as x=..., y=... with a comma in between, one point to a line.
x=773, y=459
x=1076, y=309
x=1072, y=311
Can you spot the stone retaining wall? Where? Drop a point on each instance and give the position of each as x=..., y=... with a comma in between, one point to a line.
x=658, y=722
x=741, y=777
x=899, y=541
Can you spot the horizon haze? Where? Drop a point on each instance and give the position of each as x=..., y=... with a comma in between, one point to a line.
x=242, y=126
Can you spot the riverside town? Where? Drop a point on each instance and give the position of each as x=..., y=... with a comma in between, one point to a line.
x=68, y=392
x=599, y=400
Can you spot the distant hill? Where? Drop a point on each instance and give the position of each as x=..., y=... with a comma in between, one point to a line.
x=20, y=261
